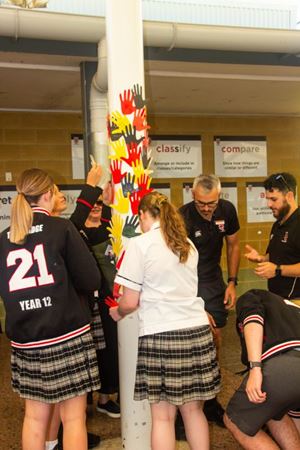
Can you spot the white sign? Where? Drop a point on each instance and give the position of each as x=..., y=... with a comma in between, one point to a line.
x=71, y=195
x=77, y=157
x=180, y=158
x=162, y=188
x=257, y=208
x=228, y=192
x=235, y=157
x=6, y=198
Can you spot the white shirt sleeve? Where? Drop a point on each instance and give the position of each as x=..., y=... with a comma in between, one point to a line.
x=131, y=272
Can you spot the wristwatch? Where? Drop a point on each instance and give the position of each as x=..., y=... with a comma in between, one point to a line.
x=234, y=279
x=253, y=364
x=278, y=271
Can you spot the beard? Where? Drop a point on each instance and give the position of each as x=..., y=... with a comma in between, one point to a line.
x=283, y=211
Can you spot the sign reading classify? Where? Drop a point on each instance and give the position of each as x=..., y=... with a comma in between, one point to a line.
x=180, y=158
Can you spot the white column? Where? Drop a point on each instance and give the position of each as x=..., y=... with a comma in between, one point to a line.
x=124, y=33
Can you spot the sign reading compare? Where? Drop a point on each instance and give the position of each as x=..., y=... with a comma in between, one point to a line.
x=238, y=156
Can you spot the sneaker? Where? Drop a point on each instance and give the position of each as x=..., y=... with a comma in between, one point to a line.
x=112, y=409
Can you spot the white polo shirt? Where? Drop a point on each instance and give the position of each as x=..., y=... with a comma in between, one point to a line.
x=168, y=288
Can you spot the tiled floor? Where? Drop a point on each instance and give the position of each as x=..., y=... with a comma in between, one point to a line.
x=11, y=407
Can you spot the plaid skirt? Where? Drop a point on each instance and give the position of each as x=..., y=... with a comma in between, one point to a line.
x=56, y=373
x=97, y=329
x=177, y=366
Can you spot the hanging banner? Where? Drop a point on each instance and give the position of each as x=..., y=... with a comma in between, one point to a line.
x=77, y=157
x=257, y=208
x=176, y=156
x=228, y=192
x=163, y=188
x=240, y=156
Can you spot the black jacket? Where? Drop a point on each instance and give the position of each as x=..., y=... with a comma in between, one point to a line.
x=280, y=319
x=43, y=280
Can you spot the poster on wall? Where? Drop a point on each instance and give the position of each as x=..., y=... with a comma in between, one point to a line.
x=257, y=208
x=7, y=194
x=71, y=193
x=176, y=156
x=240, y=156
x=77, y=157
x=163, y=188
x=228, y=192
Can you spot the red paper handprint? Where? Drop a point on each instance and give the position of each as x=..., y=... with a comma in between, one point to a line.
x=117, y=287
x=143, y=183
x=140, y=120
x=134, y=153
x=127, y=105
x=147, y=140
x=111, y=302
x=135, y=199
x=116, y=171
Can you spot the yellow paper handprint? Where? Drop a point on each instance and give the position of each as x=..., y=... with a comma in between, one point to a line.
x=119, y=149
x=117, y=245
x=120, y=122
x=122, y=203
x=116, y=226
x=138, y=169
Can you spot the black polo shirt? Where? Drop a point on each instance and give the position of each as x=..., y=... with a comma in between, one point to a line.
x=208, y=235
x=284, y=248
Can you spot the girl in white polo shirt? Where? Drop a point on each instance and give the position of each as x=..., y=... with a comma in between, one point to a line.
x=176, y=364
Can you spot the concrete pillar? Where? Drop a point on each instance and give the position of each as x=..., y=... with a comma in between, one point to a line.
x=128, y=129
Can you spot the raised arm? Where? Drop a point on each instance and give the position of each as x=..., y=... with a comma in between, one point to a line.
x=87, y=197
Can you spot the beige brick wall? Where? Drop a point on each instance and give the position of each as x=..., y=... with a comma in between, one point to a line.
x=37, y=140
x=43, y=140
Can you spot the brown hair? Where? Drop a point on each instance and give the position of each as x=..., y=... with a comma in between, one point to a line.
x=171, y=223
x=31, y=184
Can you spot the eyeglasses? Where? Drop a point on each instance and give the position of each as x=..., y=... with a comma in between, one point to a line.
x=99, y=202
x=208, y=204
x=280, y=177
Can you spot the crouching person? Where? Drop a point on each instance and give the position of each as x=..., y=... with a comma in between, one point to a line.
x=269, y=329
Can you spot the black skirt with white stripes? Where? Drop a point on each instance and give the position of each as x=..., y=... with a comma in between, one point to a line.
x=56, y=373
x=177, y=366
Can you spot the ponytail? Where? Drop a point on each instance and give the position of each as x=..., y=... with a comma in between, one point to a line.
x=31, y=184
x=171, y=223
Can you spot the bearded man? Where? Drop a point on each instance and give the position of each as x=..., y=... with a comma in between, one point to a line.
x=281, y=263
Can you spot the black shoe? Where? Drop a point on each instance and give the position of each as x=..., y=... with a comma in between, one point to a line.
x=214, y=412
x=93, y=440
x=111, y=408
x=89, y=398
x=179, y=428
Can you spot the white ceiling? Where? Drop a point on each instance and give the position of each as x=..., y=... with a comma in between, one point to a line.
x=45, y=82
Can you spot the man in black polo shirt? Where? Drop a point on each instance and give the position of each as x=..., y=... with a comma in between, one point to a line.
x=209, y=220
x=281, y=263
